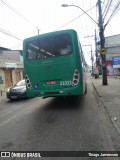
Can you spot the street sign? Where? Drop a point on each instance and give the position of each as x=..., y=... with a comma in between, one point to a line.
x=116, y=61
x=103, y=51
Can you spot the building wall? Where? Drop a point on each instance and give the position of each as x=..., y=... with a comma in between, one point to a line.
x=112, y=41
x=112, y=45
x=112, y=50
x=13, y=74
x=13, y=77
x=11, y=68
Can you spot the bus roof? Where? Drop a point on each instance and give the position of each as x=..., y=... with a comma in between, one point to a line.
x=51, y=33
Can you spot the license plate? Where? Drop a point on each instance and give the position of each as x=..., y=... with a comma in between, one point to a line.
x=51, y=82
x=13, y=97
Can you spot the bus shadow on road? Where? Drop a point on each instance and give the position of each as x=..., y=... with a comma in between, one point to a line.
x=61, y=103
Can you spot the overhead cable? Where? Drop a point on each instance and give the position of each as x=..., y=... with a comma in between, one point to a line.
x=116, y=9
x=19, y=14
x=107, y=9
x=4, y=31
x=80, y=19
x=75, y=18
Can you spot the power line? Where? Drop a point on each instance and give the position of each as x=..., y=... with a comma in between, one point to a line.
x=4, y=31
x=85, y=14
x=107, y=8
x=116, y=9
x=111, y=8
x=75, y=18
x=80, y=19
x=15, y=47
x=19, y=14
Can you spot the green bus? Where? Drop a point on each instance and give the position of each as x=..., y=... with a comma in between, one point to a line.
x=54, y=65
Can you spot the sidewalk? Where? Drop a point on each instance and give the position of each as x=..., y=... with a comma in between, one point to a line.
x=110, y=97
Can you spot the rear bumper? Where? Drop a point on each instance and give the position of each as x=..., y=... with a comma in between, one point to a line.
x=76, y=90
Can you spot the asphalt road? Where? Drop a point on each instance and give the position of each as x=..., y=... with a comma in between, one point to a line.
x=56, y=124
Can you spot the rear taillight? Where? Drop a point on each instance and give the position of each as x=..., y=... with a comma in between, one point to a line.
x=76, y=77
x=28, y=83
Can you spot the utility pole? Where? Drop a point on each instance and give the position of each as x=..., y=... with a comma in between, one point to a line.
x=96, y=54
x=102, y=45
x=38, y=30
x=102, y=39
x=92, y=59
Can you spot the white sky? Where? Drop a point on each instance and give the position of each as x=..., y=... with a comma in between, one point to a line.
x=48, y=15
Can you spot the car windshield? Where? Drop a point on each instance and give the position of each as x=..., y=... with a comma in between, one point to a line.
x=21, y=83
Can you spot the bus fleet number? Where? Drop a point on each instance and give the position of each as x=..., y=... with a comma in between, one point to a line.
x=65, y=83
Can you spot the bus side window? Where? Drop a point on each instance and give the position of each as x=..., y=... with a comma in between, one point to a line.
x=83, y=59
x=80, y=50
x=81, y=54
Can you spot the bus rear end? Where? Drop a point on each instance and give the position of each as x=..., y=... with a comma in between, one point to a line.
x=52, y=65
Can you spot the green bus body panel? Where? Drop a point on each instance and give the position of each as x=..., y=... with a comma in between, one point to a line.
x=58, y=70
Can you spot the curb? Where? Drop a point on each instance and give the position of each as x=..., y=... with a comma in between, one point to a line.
x=111, y=119
x=96, y=90
x=118, y=77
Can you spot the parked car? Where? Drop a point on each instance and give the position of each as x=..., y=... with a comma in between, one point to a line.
x=17, y=91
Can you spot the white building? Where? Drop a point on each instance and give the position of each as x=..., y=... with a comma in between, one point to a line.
x=112, y=45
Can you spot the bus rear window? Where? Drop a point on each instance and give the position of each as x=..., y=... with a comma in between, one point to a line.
x=47, y=47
